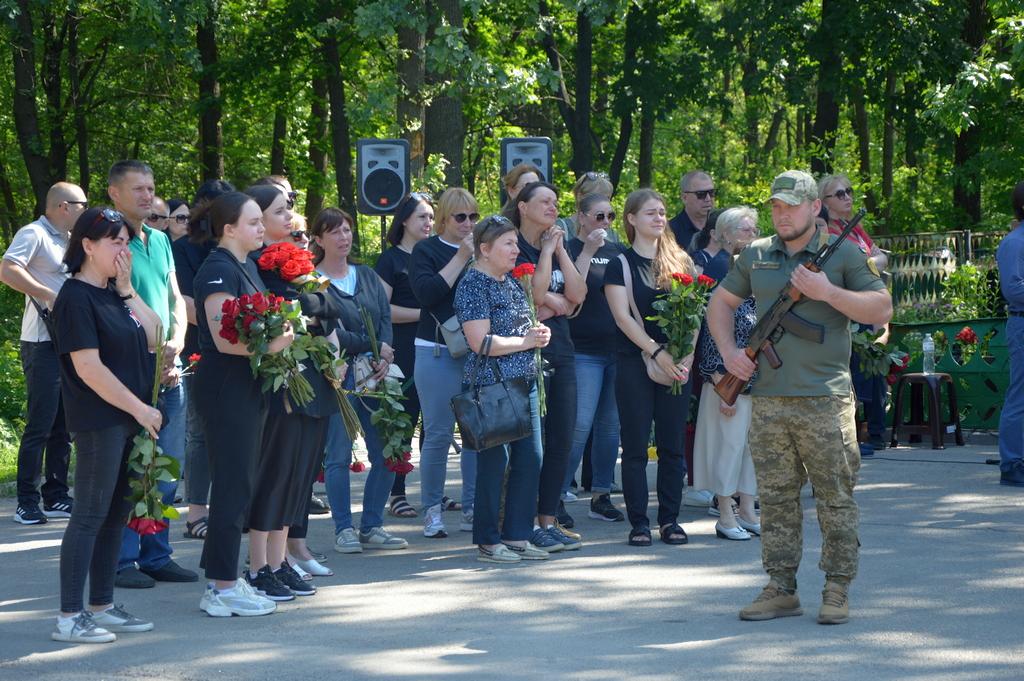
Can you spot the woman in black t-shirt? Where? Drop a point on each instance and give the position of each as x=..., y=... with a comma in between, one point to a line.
x=557, y=290
x=103, y=333
x=594, y=335
x=652, y=259
x=231, y=404
x=412, y=223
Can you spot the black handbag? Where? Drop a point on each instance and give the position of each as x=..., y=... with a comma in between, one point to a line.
x=495, y=414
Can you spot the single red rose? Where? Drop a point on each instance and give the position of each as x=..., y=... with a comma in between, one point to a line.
x=145, y=526
x=403, y=468
x=305, y=266
x=357, y=467
x=228, y=306
x=523, y=270
x=260, y=304
x=266, y=261
x=967, y=335
x=406, y=456
x=290, y=270
x=678, y=276
x=705, y=280
x=230, y=335
x=686, y=280
x=247, y=321
x=194, y=357
x=891, y=379
x=244, y=300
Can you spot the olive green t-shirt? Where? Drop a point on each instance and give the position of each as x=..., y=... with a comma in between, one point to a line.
x=808, y=368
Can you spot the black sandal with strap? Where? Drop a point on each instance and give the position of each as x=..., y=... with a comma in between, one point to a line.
x=401, y=508
x=196, y=529
x=450, y=504
x=673, y=534
x=640, y=536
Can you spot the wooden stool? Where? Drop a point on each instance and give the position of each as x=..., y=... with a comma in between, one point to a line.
x=917, y=425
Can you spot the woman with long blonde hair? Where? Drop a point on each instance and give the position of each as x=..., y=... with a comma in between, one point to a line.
x=634, y=280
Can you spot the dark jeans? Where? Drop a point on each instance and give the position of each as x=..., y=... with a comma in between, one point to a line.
x=559, y=426
x=92, y=539
x=45, y=429
x=522, y=458
x=642, y=402
x=197, y=461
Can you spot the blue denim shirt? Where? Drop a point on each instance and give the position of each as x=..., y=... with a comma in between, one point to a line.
x=1010, y=258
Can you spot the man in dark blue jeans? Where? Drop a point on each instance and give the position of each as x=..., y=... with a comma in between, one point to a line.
x=1010, y=258
x=32, y=265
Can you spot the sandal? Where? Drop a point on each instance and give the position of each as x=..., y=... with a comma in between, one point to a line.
x=196, y=529
x=640, y=536
x=673, y=534
x=401, y=508
x=450, y=504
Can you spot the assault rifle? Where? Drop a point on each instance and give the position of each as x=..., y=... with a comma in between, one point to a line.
x=781, y=318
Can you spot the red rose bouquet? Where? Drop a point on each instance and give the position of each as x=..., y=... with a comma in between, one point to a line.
x=255, y=321
x=293, y=264
x=680, y=311
x=524, y=273
x=967, y=336
x=149, y=466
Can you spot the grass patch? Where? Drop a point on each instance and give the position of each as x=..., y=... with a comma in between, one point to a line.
x=10, y=438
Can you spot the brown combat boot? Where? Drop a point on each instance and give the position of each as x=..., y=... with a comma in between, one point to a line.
x=835, y=605
x=773, y=602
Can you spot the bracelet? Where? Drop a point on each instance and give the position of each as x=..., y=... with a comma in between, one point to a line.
x=127, y=297
x=655, y=353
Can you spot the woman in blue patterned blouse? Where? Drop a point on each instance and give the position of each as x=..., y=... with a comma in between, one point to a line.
x=490, y=302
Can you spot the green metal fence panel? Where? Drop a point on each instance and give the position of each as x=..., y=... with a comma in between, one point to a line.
x=981, y=381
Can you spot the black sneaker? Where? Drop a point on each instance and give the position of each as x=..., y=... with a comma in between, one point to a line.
x=58, y=509
x=29, y=515
x=318, y=506
x=268, y=585
x=287, y=575
x=602, y=508
x=563, y=516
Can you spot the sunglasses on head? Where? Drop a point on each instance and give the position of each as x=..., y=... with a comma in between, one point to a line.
x=108, y=214
x=601, y=217
x=841, y=193
x=421, y=196
x=291, y=199
x=593, y=176
x=702, y=193
x=461, y=217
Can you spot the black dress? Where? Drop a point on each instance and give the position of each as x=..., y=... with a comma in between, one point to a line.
x=232, y=410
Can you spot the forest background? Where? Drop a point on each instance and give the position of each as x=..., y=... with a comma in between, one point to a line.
x=918, y=101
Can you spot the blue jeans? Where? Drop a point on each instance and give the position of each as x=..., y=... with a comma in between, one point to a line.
x=197, y=461
x=336, y=472
x=438, y=379
x=153, y=551
x=522, y=457
x=1011, y=420
x=595, y=409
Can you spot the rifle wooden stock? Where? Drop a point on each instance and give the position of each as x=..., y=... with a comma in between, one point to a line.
x=730, y=387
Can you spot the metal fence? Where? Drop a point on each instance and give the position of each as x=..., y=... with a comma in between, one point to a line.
x=919, y=262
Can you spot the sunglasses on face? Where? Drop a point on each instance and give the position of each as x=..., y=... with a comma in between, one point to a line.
x=461, y=217
x=841, y=193
x=181, y=218
x=702, y=193
x=83, y=204
x=601, y=217
x=154, y=217
x=298, y=235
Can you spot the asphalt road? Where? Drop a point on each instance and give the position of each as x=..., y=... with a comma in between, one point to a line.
x=940, y=596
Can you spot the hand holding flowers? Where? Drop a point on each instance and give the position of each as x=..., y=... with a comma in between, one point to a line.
x=679, y=314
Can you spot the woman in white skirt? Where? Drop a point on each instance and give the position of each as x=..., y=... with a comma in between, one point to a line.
x=721, y=456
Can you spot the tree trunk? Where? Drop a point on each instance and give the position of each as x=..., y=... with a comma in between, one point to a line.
x=563, y=99
x=279, y=139
x=9, y=220
x=645, y=171
x=411, y=74
x=211, y=142
x=863, y=132
x=751, y=114
x=341, y=143
x=966, y=174
x=26, y=115
x=445, y=127
x=830, y=63
x=910, y=134
x=77, y=103
x=582, y=150
x=888, y=146
x=771, y=141
x=318, y=144
x=626, y=108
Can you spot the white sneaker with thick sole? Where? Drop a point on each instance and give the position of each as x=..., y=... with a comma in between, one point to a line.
x=569, y=497
x=241, y=601
x=466, y=524
x=698, y=498
x=433, y=523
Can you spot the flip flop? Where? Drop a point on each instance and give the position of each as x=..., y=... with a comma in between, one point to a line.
x=401, y=508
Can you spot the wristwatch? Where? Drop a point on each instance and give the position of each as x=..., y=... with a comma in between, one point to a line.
x=127, y=297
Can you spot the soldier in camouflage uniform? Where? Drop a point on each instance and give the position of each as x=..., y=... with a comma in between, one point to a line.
x=803, y=412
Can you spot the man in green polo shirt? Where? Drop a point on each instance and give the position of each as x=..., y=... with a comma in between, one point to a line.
x=803, y=412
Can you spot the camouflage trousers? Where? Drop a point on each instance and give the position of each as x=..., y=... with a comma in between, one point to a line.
x=793, y=439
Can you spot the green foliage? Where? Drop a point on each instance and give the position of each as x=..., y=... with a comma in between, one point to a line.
x=972, y=291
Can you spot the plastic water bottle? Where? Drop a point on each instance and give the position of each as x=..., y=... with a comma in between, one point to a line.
x=928, y=346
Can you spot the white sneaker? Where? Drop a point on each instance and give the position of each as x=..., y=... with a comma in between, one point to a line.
x=241, y=601
x=118, y=620
x=699, y=498
x=81, y=628
x=246, y=588
x=466, y=524
x=433, y=523
x=379, y=538
x=348, y=542
x=569, y=497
